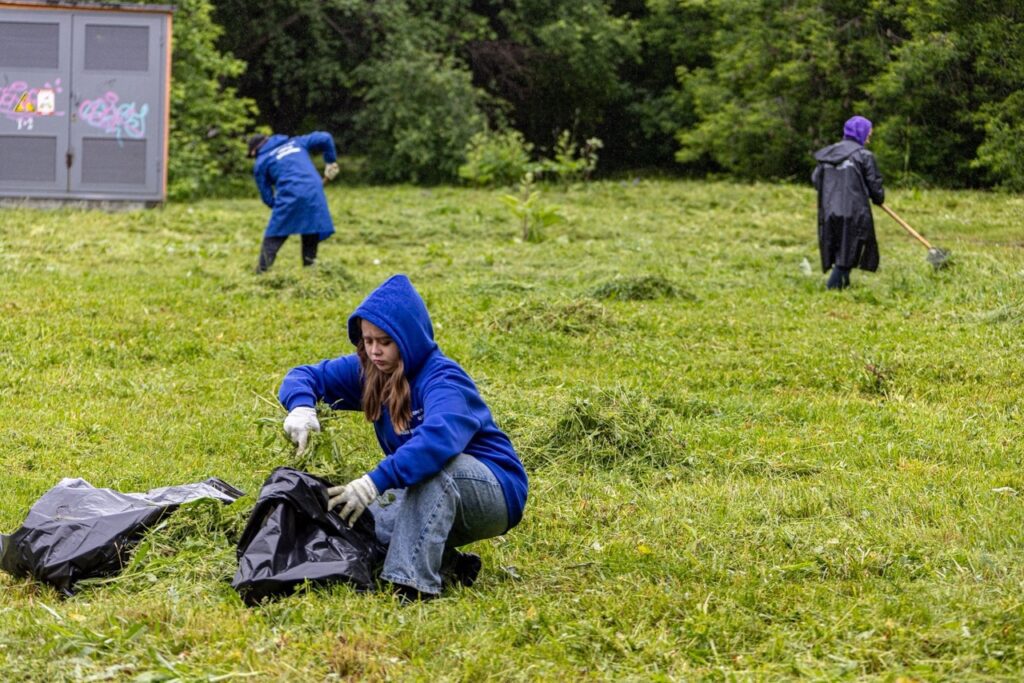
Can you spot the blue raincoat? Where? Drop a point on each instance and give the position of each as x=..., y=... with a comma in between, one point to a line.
x=291, y=186
x=448, y=415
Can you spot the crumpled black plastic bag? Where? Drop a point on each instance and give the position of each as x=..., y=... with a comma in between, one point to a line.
x=76, y=531
x=291, y=538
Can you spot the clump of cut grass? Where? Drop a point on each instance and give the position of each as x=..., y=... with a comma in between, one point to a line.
x=640, y=288
x=335, y=273
x=1008, y=314
x=500, y=287
x=611, y=428
x=276, y=281
x=317, y=289
x=325, y=280
x=330, y=452
x=195, y=542
x=571, y=317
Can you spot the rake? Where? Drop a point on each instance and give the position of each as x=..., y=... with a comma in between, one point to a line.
x=937, y=257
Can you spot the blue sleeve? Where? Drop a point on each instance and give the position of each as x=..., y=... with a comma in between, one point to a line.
x=318, y=141
x=335, y=381
x=264, y=183
x=448, y=426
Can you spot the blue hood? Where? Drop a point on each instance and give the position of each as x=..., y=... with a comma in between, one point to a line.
x=397, y=308
x=273, y=142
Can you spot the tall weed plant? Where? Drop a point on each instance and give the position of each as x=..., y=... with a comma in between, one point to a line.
x=571, y=161
x=534, y=216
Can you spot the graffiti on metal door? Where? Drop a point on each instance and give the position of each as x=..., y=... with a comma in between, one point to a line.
x=109, y=114
x=23, y=103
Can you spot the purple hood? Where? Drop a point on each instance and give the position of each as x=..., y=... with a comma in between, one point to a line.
x=857, y=128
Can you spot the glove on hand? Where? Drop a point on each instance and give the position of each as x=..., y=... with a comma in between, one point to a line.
x=299, y=423
x=353, y=497
x=331, y=170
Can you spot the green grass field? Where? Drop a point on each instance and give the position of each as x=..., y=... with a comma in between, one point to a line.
x=734, y=473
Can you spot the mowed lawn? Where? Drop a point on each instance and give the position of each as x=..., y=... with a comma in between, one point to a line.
x=734, y=473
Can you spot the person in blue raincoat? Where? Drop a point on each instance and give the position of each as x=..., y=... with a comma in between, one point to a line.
x=291, y=186
x=455, y=475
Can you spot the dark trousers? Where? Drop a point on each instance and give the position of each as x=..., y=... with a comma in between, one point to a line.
x=839, y=279
x=271, y=245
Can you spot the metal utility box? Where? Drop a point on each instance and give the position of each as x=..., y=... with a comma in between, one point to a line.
x=84, y=100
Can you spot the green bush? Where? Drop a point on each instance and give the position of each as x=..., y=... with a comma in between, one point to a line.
x=496, y=158
x=208, y=120
x=1002, y=153
x=421, y=110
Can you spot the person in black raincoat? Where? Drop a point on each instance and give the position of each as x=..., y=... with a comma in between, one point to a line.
x=846, y=178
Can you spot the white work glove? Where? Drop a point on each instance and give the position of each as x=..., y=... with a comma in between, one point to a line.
x=331, y=170
x=353, y=497
x=299, y=423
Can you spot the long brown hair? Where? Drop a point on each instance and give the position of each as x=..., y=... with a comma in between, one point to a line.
x=389, y=389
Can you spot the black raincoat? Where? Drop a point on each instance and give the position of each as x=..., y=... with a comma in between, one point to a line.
x=846, y=177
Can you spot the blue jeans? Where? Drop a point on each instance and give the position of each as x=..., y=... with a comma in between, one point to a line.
x=460, y=504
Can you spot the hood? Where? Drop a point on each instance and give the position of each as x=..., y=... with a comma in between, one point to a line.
x=835, y=154
x=273, y=142
x=254, y=143
x=857, y=128
x=397, y=308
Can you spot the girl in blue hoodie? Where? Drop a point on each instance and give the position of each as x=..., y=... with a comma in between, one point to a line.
x=462, y=479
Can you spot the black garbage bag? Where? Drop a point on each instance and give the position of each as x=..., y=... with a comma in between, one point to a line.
x=291, y=538
x=76, y=531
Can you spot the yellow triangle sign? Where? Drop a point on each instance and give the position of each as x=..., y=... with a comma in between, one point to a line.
x=24, y=105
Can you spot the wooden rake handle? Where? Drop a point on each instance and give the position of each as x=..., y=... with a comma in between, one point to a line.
x=904, y=225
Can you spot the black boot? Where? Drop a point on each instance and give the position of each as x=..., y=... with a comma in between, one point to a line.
x=839, y=278
x=461, y=569
x=408, y=594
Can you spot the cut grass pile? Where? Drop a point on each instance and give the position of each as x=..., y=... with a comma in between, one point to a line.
x=734, y=474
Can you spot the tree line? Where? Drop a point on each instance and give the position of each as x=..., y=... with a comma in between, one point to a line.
x=743, y=88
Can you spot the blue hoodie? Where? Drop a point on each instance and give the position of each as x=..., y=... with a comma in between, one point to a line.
x=290, y=184
x=448, y=415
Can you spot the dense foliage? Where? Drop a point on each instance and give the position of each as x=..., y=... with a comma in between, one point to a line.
x=745, y=87
x=208, y=119
x=420, y=113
